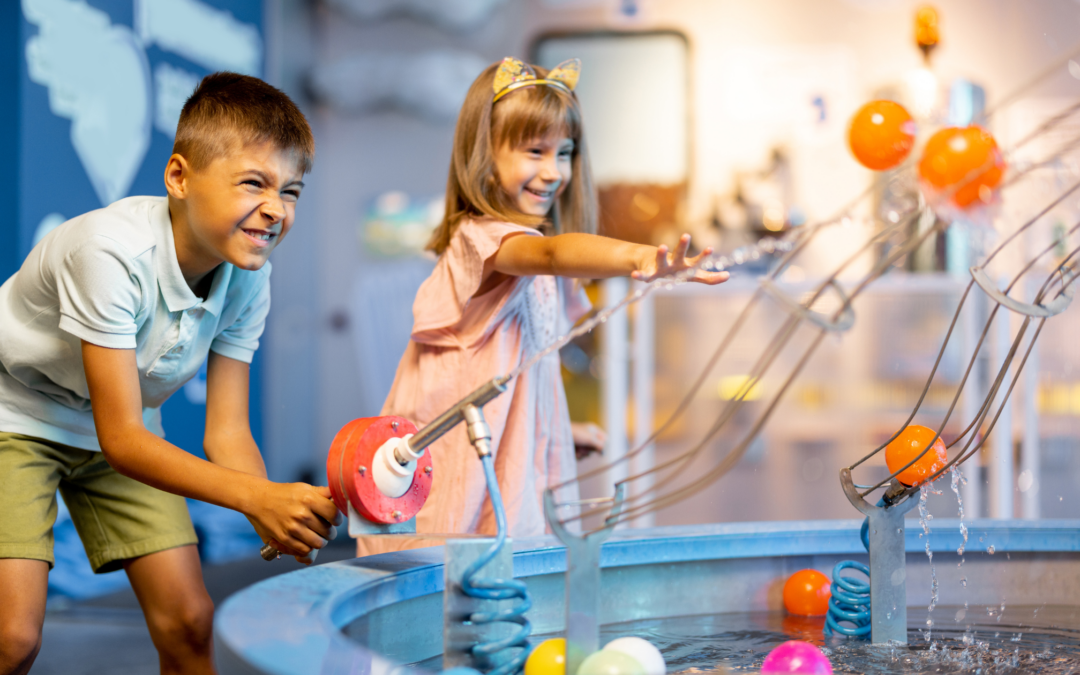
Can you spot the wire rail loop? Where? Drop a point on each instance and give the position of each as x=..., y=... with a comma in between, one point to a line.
x=1055, y=306
x=842, y=323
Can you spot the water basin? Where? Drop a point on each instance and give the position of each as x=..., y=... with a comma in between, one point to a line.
x=709, y=596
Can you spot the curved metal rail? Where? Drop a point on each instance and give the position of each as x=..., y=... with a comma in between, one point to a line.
x=671, y=481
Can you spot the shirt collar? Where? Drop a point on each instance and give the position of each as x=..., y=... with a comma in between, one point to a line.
x=174, y=288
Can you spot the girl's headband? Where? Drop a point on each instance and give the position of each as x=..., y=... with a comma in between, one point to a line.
x=513, y=74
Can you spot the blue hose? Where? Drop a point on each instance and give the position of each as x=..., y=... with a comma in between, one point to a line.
x=850, y=601
x=499, y=589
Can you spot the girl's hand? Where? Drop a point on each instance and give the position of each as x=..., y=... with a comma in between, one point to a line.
x=665, y=264
x=588, y=439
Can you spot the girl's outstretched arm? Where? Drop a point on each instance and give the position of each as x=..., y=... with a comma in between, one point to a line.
x=588, y=256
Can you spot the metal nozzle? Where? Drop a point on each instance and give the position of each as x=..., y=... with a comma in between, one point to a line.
x=479, y=431
x=452, y=417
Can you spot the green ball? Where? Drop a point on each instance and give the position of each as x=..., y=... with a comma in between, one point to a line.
x=610, y=662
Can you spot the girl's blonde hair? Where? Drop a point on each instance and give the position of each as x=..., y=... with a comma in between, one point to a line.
x=473, y=188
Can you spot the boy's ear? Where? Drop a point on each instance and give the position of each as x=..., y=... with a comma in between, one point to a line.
x=177, y=172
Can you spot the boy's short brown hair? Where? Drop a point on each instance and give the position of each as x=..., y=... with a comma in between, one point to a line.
x=227, y=108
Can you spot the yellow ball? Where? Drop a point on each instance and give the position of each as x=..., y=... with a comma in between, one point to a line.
x=549, y=658
x=611, y=662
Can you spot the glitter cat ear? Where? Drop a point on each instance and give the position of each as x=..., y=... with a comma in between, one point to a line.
x=567, y=72
x=513, y=74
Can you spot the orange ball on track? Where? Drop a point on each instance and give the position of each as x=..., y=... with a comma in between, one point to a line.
x=807, y=593
x=907, y=446
x=881, y=135
x=966, y=160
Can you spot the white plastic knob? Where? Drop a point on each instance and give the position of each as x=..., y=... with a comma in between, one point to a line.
x=392, y=479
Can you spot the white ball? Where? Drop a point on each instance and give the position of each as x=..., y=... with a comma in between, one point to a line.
x=643, y=651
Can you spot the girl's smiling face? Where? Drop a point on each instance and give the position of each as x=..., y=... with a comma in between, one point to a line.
x=535, y=173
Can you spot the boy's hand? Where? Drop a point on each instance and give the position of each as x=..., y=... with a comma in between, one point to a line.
x=665, y=264
x=294, y=517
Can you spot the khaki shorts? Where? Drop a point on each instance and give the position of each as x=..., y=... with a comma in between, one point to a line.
x=116, y=517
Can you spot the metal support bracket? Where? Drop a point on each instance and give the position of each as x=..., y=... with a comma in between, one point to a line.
x=582, y=579
x=360, y=526
x=1055, y=306
x=888, y=564
x=843, y=322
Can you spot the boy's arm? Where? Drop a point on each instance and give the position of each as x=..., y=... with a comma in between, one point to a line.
x=590, y=256
x=228, y=441
x=289, y=513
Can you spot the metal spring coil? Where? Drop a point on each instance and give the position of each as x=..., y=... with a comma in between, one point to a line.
x=850, y=601
x=499, y=589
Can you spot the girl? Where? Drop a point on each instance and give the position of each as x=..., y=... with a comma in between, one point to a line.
x=519, y=228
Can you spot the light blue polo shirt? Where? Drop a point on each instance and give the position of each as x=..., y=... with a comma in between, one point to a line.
x=111, y=277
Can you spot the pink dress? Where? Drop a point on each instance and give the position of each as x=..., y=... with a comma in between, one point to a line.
x=458, y=343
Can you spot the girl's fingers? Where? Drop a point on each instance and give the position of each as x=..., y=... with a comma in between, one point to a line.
x=676, y=261
x=661, y=259
x=682, y=248
x=700, y=256
x=711, y=278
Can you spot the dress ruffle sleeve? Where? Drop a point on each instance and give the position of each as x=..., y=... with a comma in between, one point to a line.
x=445, y=311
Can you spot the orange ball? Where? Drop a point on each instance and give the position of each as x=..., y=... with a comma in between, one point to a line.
x=966, y=160
x=881, y=135
x=807, y=593
x=907, y=446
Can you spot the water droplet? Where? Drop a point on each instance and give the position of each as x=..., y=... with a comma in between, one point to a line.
x=990, y=549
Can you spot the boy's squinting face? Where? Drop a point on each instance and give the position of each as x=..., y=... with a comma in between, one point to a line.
x=535, y=173
x=236, y=210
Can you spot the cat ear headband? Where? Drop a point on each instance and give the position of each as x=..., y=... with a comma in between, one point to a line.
x=513, y=74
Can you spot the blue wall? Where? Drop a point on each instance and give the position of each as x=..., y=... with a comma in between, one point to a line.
x=10, y=66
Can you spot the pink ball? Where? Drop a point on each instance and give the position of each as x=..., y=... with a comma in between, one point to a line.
x=796, y=657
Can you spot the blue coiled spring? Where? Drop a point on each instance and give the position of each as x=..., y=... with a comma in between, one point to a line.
x=499, y=589
x=850, y=601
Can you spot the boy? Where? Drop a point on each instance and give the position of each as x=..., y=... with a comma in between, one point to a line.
x=109, y=315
